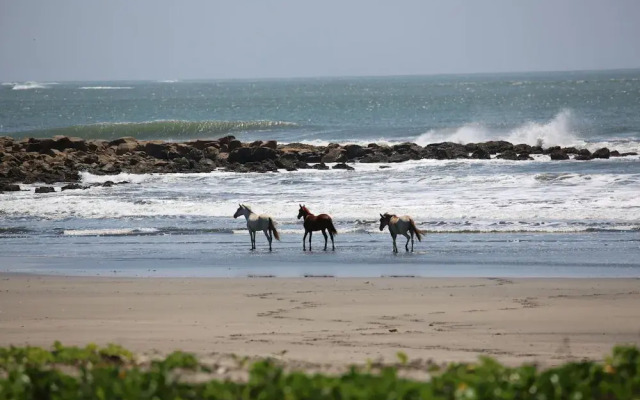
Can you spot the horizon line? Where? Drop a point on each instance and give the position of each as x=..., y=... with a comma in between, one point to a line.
x=513, y=72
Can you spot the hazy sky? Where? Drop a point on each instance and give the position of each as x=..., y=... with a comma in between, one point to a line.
x=46, y=40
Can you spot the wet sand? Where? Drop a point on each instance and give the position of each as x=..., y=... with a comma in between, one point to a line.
x=327, y=321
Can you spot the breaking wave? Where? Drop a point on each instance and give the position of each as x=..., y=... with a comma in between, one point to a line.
x=559, y=131
x=163, y=129
x=106, y=87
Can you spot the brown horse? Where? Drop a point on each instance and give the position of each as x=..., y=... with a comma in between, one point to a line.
x=312, y=223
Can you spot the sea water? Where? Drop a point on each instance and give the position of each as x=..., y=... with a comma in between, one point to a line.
x=481, y=217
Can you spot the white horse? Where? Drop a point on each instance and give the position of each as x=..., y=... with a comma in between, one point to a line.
x=256, y=223
x=400, y=226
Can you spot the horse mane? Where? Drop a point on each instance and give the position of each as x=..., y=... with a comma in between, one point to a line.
x=305, y=209
x=387, y=215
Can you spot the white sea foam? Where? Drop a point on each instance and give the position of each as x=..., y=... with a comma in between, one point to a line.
x=454, y=195
x=109, y=232
x=559, y=131
x=105, y=87
x=30, y=85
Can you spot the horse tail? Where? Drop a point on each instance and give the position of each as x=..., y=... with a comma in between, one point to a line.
x=273, y=229
x=332, y=228
x=417, y=231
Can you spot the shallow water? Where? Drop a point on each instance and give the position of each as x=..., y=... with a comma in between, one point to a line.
x=483, y=217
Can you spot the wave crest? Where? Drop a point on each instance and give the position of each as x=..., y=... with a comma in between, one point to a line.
x=559, y=131
x=163, y=129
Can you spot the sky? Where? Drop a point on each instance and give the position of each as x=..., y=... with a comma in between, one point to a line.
x=62, y=40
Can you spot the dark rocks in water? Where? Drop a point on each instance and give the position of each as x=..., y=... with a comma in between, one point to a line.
x=400, y=157
x=481, y=154
x=496, y=146
x=45, y=189
x=355, y=151
x=61, y=158
x=335, y=154
x=73, y=186
x=584, y=152
x=321, y=166
x=629, y=153
x=508, y=155
x=524, y=156
x=601, y=153
x=7, y=187
x=570, y=150
x=558, y=155
x=310, y=157
x=523, y=148
x=244, y=155
x=375, y=158
x=234, y=144
x=343, y=166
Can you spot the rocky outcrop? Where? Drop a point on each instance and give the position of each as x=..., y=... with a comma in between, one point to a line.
x=61, y=158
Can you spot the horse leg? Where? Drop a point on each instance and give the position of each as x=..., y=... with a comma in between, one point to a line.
x=266, y=233
x=412, y=241
x=395, y=247
x=406, y=246
x=310, y=233
x=324, y=233
x=332, y=245
x=304, y=241
x=253, y=240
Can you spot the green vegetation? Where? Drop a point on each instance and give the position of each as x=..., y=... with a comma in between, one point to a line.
x=112, y=373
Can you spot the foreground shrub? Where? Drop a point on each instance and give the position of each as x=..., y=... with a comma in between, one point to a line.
x=111, y=373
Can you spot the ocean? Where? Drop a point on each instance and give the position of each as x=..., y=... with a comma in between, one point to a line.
x=538, y=218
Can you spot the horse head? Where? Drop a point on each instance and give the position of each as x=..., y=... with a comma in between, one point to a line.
x=240, y=211
x=384, y=220
x=303, y=212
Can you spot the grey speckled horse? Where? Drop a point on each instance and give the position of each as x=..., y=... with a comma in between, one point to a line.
x=400, y=226
x=256, y=223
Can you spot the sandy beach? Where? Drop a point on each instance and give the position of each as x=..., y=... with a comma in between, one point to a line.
x=328, y=321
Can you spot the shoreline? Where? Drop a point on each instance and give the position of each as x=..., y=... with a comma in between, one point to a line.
x=328, y=321
x=62, y=158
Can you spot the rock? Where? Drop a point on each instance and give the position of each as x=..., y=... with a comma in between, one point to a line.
x=45, y=189
x=264, y=153
x=343, y=166
x=524, y=156
x=375, y=158
x=310, y=157
x=584, y=152
x=558, y=155
x=73, y=186
x=354, y=151
x=495, y=147
x=508, y=155
x=271, y=144
x=156, y=149
x=321, y=166
x=630, y=153
x=522, y=148
x=6, y=187
x=614, y=153
x=240, y=155
x=211, y=153
x=581, y=157
x=400, y=157
x=335, y=154
x=226, y=140
x=570, y=150
x=481, y=154
x=553, y=149
x=234, y=144
x=601, y=153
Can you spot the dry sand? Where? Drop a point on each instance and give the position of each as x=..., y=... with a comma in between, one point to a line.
x=327, y=321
